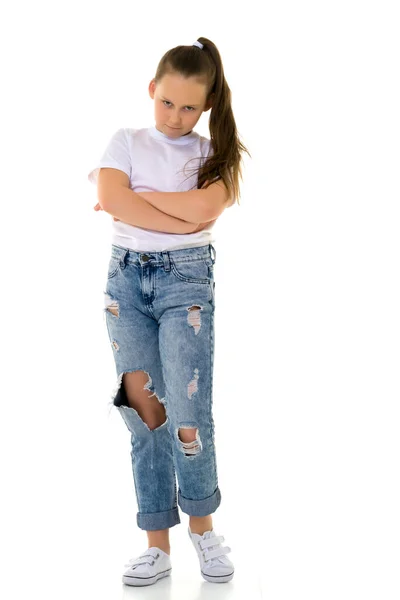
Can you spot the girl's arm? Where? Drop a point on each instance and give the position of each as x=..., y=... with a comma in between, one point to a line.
x=130, y=208
x=172, y=229
x=116, y=198
x=195, y=206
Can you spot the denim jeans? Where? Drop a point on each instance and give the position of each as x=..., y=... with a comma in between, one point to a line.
x=159, y=309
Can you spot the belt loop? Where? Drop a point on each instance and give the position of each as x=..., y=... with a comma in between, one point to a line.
x=167, y=264
x=213, y=251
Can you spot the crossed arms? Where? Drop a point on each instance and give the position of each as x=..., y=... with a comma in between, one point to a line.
x=172, y=212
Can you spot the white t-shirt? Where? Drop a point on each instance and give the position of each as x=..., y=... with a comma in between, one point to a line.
x=155, y=162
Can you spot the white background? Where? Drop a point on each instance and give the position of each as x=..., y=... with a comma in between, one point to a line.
x=306, y=396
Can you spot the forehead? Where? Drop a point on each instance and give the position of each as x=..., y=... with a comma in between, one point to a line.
x=182, y=90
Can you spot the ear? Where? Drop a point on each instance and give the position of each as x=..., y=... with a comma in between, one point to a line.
x=209, y=103
x=152, y=88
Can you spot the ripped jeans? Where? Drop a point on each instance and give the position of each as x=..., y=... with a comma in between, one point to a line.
x=159, y=309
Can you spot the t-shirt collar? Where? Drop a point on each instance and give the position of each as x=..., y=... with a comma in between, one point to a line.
x=179, y=141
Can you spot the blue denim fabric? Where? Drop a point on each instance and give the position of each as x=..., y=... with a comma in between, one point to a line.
x=159, y=309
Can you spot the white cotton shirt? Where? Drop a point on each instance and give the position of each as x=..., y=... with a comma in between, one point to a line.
x=155, y=162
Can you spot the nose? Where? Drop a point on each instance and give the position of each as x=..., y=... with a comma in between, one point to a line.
x=175, y=121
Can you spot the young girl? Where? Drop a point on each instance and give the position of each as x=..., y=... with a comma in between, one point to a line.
x=165, y=186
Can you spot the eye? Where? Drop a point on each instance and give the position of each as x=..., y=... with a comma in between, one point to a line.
x=189, y=107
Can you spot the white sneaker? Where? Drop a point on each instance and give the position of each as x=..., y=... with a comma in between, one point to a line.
x=214, y=565
x=149, y=567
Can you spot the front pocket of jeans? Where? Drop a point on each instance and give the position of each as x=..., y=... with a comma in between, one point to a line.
x=193, y=271
x=113, y=267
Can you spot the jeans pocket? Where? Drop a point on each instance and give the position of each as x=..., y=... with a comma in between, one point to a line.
x=113, y=267
x=198, y=270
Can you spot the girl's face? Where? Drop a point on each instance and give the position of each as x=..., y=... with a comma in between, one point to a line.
x=178, y=103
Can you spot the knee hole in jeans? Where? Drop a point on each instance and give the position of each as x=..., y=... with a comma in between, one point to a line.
x=150, y=409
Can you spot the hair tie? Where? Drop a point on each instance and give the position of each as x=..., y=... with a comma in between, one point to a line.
x=199, y=45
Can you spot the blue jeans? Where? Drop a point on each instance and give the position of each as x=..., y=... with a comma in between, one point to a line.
x=159, y=309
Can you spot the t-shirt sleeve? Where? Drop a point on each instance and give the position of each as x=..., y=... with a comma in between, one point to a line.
x=115, y=156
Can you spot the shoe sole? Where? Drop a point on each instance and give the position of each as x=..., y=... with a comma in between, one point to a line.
x=218, y=578
x=128, y=580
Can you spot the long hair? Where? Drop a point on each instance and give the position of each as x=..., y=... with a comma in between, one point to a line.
x=206, y=65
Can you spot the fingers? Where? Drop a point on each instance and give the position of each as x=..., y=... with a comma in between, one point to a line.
x=98, y=207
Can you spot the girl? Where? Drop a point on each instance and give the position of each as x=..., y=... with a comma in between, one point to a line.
x=160, y=301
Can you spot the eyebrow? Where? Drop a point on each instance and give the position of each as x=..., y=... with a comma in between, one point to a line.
x=191, y=105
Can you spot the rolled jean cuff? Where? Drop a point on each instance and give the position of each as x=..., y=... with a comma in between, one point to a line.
x=158, y=520
x=200, y=508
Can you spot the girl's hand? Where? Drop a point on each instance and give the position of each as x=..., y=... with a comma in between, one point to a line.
x=202, y=226
x=98, y=207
